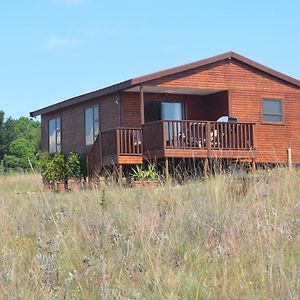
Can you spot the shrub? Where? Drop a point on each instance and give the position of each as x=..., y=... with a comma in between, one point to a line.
x=59, y=167
x=139, y=173
x=73, y=166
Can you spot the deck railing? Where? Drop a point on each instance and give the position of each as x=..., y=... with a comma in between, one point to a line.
x=121, y=141
x=130, y=141
x=113, y=143
x=166, y=135
x=93, y=160
x=153, y=136
x=172, y=134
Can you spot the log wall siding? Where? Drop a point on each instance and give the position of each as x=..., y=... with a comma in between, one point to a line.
x=44, y=133
x=73, y=123
x=247, y=86
x=216, y=105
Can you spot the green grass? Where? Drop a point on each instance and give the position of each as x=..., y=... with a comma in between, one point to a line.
x=218, y=239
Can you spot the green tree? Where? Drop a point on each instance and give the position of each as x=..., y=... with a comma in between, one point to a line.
x=19, y=142
x=1, y=135
x=28, y=129
x=21, y=155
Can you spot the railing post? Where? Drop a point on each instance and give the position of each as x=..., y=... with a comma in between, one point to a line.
x=88, y=166
x=118, y=141
x=208, y=138
x=253, y=135
x=164, y=134
x=100, y=149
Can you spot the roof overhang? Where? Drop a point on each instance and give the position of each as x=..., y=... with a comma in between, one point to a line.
x=173, y=90
x=133, y=83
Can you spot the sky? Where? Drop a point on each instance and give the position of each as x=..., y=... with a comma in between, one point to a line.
x=52, y=50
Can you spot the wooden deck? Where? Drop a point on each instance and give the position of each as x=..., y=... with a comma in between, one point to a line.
x=172, y=139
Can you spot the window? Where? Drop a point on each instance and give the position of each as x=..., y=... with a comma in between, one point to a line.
x=172, y=111
x=91, y=124
x=156, y=110
x=272, y=110
x=54, y=135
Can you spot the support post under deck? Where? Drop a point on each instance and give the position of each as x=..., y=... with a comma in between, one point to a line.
x=253, y=166
x=120, y=174
x=167, y=175
x=205, y=168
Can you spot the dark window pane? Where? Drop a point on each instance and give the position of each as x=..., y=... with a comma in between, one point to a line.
x=96, y=129
x=91, y=124
x=152, y=111
x=272, y=106
x=96, y=113
x=272, y=110
x=172, y=111
x=58, y=124
x=58, y=137
x=89, y=135
x=273, y=118
x=52, y=136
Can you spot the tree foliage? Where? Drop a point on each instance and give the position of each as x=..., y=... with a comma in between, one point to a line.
x=19, y=142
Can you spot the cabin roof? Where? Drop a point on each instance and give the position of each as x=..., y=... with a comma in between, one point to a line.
x=140, y=80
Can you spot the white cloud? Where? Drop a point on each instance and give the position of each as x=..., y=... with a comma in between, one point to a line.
x=59, y=43
x=71, y=2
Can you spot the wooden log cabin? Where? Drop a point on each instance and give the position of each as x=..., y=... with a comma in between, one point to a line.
x=173, y=114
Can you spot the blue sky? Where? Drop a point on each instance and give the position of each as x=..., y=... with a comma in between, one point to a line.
x=52, y=50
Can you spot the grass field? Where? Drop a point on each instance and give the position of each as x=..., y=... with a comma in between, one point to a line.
x=219, y=239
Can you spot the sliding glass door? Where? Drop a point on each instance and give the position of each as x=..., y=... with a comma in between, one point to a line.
x=172, y=111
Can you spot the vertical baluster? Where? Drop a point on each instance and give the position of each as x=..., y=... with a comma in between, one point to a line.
x=237, y=136
x=173, y=132
x=222, y=135
x=212, y=137
x=125, y=141
x=229, y=135
x=250, y=141
x=194, y=135
x=233, y=135
x=197, y=141
x=208, y=138
x=130, y=140
x=184, y=141
x=203, y=131
x=245, y=136
x=218, y=135
x=133, y=141
x=142, y=141
x=177, y=133
x=121, y=140
x=137, y=141
x=242, y=136
x=169, y=133
x=186, y=130
x=177, y=127
x=225, y=135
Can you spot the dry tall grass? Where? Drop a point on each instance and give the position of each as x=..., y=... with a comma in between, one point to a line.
x=219, y=239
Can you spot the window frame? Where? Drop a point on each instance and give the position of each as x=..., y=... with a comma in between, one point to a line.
x=160, y=102
x=272, y=98
x=58, y=146
x=94, y=121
